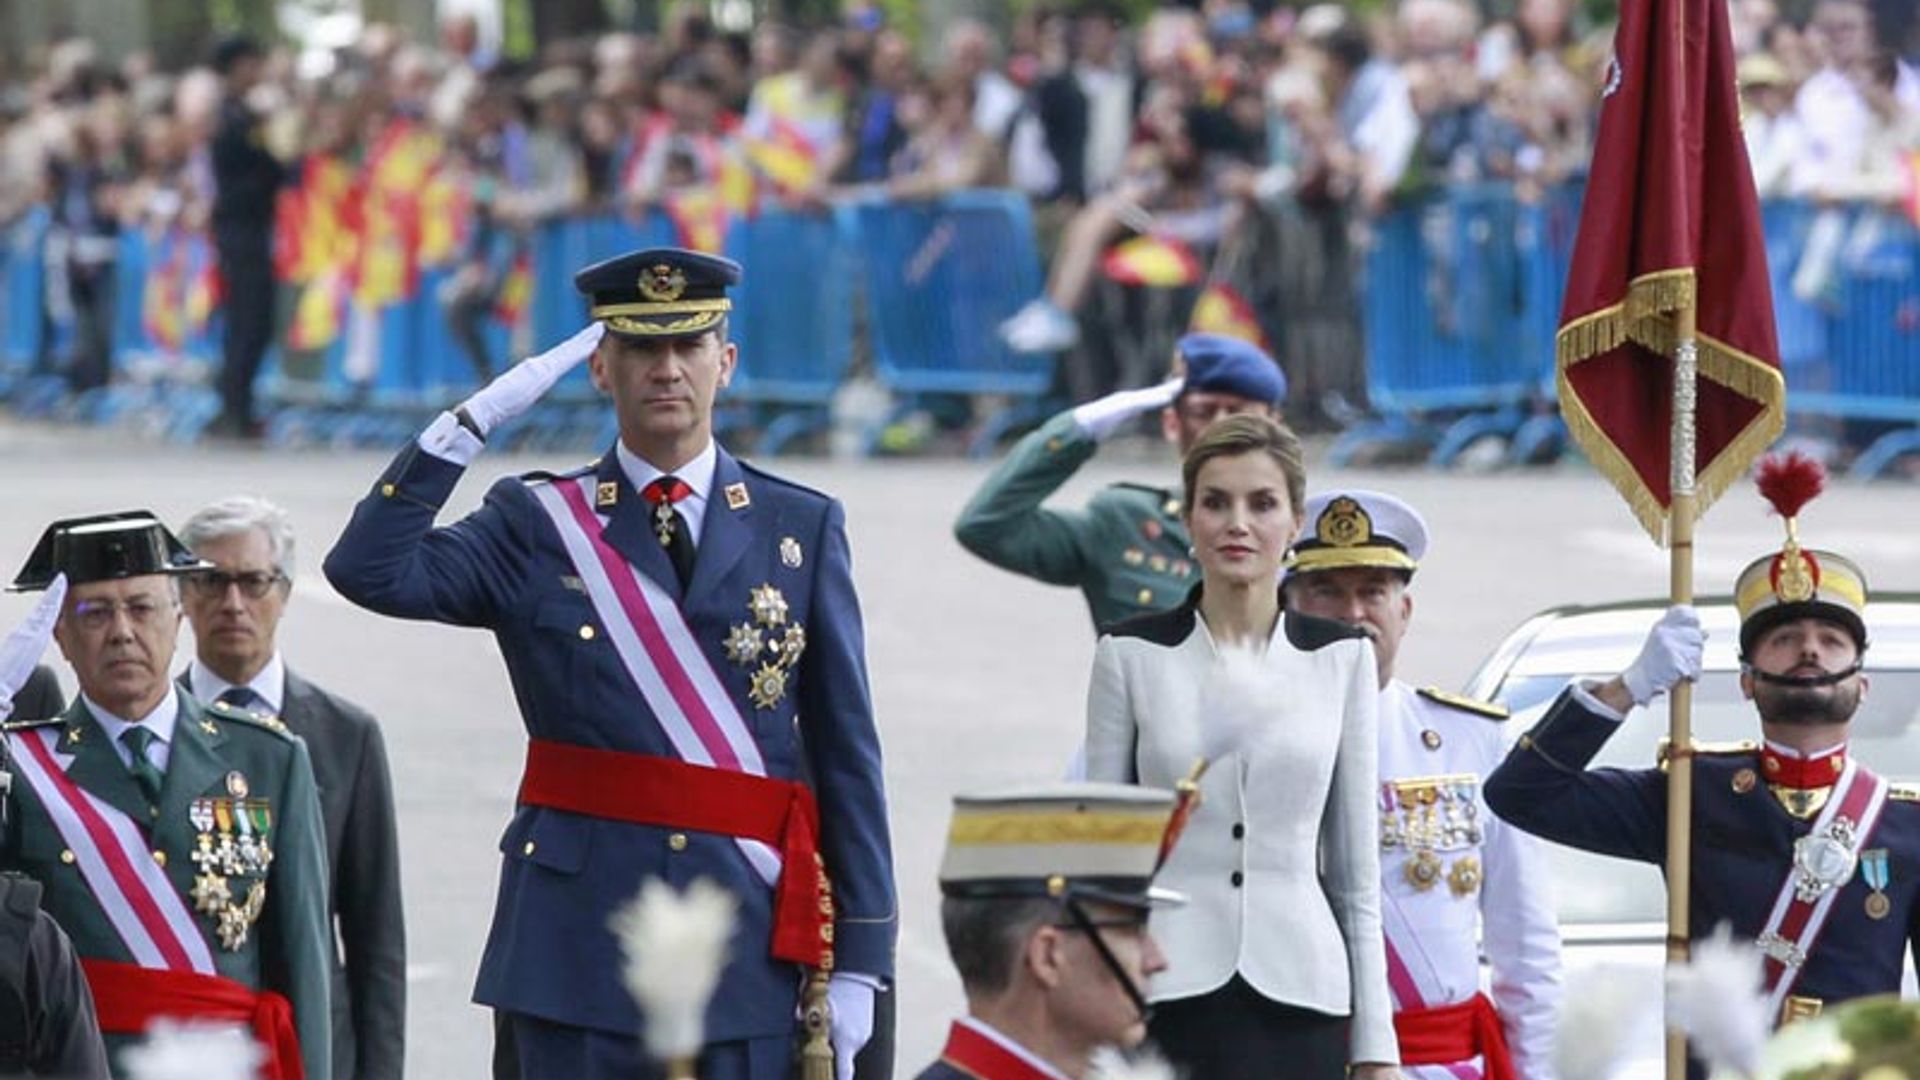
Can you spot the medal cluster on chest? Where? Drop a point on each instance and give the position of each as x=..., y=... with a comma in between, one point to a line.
x=231, y=855
x=1434, y=823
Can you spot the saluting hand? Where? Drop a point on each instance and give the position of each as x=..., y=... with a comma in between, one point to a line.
x=23, y=648
x=1099, y=419
x=526, y=382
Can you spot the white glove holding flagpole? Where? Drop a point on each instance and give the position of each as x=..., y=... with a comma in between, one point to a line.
x=850, y=999
x=675, y=945
x=506, y=397
x=28, y=642
x=1672, y=652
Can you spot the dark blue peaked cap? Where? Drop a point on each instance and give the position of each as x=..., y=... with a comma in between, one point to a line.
x=659, y=292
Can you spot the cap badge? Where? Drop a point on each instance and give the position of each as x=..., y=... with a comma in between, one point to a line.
x=1795, y=576
x=1344, y=524
x=662, y=283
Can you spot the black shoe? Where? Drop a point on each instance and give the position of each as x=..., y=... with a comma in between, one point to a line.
x=228, y=427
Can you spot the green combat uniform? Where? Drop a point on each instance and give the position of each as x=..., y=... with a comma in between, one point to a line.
x=1126, y=551
x=237, y=830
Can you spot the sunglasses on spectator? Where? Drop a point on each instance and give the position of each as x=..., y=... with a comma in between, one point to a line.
x=253, y=584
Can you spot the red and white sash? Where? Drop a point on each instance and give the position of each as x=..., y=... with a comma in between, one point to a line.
x=1800, y=910
x=658, y=649
x=115, y=860
x=1408, y=968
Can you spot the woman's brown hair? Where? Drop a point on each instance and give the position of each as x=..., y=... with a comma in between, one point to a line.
x=1248, y=433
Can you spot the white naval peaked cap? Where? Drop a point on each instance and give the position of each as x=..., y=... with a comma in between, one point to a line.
x=1351, y=527
x=1066, y=839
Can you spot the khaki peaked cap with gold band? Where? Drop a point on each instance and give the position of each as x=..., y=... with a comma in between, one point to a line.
x=1349, y=527
x=1800, y=583
x=1073, y=840
x=659, y=292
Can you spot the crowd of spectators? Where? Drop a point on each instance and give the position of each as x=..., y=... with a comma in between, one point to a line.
x=1229, y=132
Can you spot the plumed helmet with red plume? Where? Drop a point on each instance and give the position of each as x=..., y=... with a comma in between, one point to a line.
x=1797, y=582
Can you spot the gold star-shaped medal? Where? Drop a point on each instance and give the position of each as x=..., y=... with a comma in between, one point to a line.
x=743, y=644
x=210, y=893
x=768, y=686
x=768, y=606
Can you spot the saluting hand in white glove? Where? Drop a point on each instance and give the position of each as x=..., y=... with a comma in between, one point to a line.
x=1099, y=419
x=1672, y=652
x=23, y=648
x=515, y=390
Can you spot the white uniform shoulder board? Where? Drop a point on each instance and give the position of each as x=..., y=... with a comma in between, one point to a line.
x=1487, y=709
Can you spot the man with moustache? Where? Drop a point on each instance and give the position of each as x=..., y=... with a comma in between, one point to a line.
x=1796, y=844
x=235, y=609
x=178, y=843
x=1474, y=884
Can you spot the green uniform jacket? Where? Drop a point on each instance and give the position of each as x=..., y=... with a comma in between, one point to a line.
x=1127, y=551
x=217, y=752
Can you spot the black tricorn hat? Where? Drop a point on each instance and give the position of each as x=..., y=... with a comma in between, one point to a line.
x=105, y=547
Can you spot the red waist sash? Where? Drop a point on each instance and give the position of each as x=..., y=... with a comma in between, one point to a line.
x=129, y=998
x=1444, y=1034
x=645, y=790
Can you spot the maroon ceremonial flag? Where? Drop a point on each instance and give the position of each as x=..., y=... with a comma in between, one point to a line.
x=1670, y=219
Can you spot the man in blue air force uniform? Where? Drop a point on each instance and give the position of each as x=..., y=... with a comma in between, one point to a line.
x=685, y=647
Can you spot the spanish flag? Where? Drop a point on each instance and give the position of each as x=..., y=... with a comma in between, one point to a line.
x=318, y=314
x=785, y=157
x=1158, y=262
x=1670, y=221
x=700, y=218
x=1222, y=310
x=516, y=292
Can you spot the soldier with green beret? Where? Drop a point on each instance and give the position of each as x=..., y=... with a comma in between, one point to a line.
x=178, y=843
x=1127, y=550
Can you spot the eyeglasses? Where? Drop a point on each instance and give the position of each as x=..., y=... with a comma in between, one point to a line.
x=254, y=584
x=97, y=615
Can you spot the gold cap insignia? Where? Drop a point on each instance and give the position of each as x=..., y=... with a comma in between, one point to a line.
x=662, y=283
x=1344, y=524
x=1796, y=575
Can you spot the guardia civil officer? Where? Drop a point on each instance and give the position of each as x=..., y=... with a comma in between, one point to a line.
x=1048, y=927
x=1127, y=551
x=1797, y=844
x=178, y=843
x=1456, y=882
x=47, y=1021
x=685, y=644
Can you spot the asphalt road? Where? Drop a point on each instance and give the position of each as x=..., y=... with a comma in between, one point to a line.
x=978, y=676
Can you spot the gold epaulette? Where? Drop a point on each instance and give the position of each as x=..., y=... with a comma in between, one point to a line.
x=258, y=719
x=1734, y=748
x=22, y=725
x=1488, y=709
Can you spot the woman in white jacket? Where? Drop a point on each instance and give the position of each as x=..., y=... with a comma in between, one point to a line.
x=1276, y=966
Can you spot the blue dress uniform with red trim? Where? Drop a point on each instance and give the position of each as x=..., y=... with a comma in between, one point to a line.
x=1778, y=835
x=762, y=542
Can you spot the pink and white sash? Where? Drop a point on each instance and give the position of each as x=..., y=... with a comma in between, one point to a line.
x=1414, y=982
x=115, y=860
x=1806, y=897
x=651, y=636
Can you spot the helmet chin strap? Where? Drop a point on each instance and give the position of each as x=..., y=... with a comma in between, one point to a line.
x=1080, y=919
x=1804, y=681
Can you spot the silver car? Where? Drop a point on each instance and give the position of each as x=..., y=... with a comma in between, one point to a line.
x=1612, y=911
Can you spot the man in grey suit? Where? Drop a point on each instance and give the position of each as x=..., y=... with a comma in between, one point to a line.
x=236, y=609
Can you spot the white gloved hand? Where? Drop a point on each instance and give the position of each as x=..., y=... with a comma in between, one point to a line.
x=1671, y=653
x=527, y=381
x=850, y=999
x=1099, y=419
x=23, y=648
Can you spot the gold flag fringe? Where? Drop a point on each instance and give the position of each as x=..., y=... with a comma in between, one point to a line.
x=1645, y=317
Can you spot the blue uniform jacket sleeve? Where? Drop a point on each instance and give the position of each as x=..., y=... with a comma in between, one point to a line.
x=1545, y=788
x=392, y=560
x=843, y=754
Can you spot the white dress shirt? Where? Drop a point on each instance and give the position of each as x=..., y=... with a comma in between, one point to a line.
x=160, y=721
x=696, y=474
x=270, y=683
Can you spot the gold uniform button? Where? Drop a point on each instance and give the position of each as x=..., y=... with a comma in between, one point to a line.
x=160, y=857
x=527, y=849
x=66, y=856
x=388, y=490
x=678, y=841
x=586, y=632
x=1146, y=596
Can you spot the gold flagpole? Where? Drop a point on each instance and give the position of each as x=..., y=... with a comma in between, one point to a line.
x=1680, y=702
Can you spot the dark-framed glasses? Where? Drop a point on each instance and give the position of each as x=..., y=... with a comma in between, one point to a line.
x=253, y=584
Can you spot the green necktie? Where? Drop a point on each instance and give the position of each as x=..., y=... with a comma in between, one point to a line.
x=137, y=739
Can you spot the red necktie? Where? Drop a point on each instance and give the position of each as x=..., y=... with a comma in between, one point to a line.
x=668, y=526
